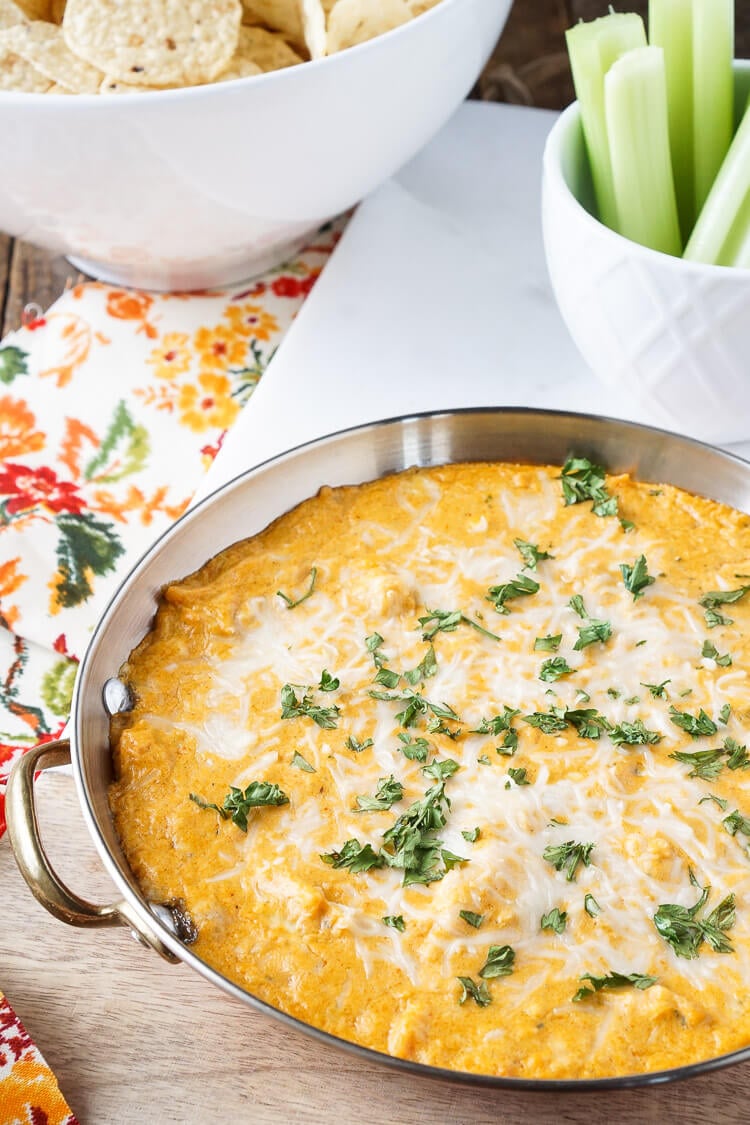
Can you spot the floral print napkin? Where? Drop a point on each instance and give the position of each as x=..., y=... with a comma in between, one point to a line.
x=28, y=1089
x=112, y=406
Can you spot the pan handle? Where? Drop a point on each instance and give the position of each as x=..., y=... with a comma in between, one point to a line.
x=25, y=839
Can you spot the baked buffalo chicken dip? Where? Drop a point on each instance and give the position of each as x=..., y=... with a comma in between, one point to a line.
x=453, y=765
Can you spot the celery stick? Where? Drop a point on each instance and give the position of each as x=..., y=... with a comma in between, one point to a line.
x=592, y=48
x=635, y=100
x=670, y=26
x=713, y=91
x=722, y=233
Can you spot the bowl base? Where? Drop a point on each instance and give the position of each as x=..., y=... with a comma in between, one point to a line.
x=190, y=276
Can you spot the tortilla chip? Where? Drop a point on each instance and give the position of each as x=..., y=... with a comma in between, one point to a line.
x=239, y=68
x=42, y=45
x=266, y=49
x=17, y=74
x=314, y=23
x=10, y=14
x=356, y=21
x=277, y=15
x=112, y=85
x=154, y=42
x=416, y=7
x=57, y=10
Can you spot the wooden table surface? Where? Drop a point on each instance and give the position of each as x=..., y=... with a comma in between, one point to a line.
x=133, y=1039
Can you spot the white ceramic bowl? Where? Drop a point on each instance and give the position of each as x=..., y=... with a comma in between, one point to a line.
x=674, y=334
x=184, y=189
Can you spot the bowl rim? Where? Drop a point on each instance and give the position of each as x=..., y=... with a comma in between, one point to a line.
x=557, y=145
x=16, y=98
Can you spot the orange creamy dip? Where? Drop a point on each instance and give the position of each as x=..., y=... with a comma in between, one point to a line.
x=308, y=937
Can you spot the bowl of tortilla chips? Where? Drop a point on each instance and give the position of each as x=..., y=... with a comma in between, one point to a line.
x=182, y=144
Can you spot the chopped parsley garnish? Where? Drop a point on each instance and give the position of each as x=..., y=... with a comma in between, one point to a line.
x=723, y=597
x=736, y=822
x=358, y=747
x=588, y=722
x=293, y=708
x=724, y=713
x=707, y=764
x=471, y=918
x=633, y=734
x=714, y=618
x=501, y=724
x=451, y=860
x=549, y=722
x=711, y=652
x=415, y=749
x=499, y=962
x=530, y=553
x=519, y=587
x=591, y=906
x=292, y=603
x=237, y=804
x=738, y=759
x=427, y=667
x=657, y=690
x=695, y=725
x=441, y=770
x=437, y=726
x=554, y=669
x=355, y=857
x=681, y=927
x=395, y=921
x=389, y=791
x=613, y=693
x=582, y=480
x=720, y=597
x=632, y=699
x=613, y=980
x=386, y=677
x=446, y=621
x=471, y=836
x=566, y=857
x=302, y=763
x=555, y=920
x=550, y=643
x=593, y=630
x=373, y=644
x=328, y=682
x=415, y=847
x=416, y=705
x=479, y=993
x=716, y=800
x=484, y=760
x=519, y=775
x=636, y=577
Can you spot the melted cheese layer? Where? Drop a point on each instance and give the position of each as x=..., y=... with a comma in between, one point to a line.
x=310, y=938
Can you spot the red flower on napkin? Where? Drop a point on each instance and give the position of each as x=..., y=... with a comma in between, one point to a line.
x=38, y=488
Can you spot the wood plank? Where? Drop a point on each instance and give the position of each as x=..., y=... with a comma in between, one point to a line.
x=132, y=1038
x=529, y=66
x=6, y=246
x=36, y=276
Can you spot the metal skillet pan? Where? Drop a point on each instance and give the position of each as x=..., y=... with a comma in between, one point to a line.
x=244, y=507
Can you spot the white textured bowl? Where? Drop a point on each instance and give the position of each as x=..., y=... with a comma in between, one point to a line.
x=674, y=334
x=184, y=189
